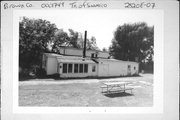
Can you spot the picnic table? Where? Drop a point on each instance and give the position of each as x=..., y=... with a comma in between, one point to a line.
x=117, y=86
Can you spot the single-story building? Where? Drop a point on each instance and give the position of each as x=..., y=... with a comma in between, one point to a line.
x=69, y=65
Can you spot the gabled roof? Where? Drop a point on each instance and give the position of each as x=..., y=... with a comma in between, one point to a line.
x=73, y=59
x=113, y=60
x=52, y=55
x=69, y=47
x=70, y=59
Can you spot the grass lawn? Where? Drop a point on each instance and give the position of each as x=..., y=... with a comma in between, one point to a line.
x=84, y=93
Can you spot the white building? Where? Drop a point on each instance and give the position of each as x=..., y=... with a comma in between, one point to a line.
x=70, y=63
x=79, y=52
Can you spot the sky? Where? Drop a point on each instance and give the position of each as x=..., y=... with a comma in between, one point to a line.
x=100, y=23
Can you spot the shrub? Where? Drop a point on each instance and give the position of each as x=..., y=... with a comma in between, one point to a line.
x=40, y=73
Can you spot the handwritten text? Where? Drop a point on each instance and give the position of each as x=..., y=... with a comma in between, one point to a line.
x=53, y=5
x=87, y=5
x=139, y=5
x=11, y=6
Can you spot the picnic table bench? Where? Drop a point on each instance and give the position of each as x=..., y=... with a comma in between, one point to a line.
x=115, y=87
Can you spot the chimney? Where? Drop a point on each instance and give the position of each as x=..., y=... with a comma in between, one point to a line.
x=84, y=51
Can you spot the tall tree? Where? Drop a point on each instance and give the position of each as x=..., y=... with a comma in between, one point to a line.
x=37, y=36
x=61, y=38
x=34, y=36
x=105, y=49
x=73, y=38
x=91, y=44
x=133, y=42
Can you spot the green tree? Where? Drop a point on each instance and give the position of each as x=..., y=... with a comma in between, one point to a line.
x=37, y=36
x=105, y=49
x=73, y=39
x=61, y=38
x=91, y=44
x=133, y=42
x=34, y=36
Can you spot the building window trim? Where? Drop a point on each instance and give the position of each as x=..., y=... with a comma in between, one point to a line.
x=81, y=67
x=70, y=68
x=85, y=68
x=93, y=68
x=76, y=68
x=65, y=68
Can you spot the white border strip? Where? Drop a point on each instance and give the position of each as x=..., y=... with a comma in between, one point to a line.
x=158, y=78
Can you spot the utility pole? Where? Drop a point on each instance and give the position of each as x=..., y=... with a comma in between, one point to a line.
x=84, y=51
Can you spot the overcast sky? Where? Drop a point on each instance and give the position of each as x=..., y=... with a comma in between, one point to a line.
x=99, y=23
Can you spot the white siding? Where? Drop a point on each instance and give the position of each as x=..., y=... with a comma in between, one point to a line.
x=116, y=68
x=105, y=67
x=79, y=52
x=103, y=70
x=134, y=68
x=90, y=70
x=73, y=52
x=51, y=65
x=103, y=54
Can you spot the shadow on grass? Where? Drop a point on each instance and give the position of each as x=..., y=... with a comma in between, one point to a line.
x=118, y=76
x=121, y=94
x=56, y=77
x=96, y=77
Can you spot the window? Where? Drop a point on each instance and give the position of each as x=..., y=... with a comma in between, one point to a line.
x=64, y=68
x=134, y=68
x=69, y=68
x=92, y=55
x=129, y=66
x=75, y=68
x=93, y=68
x=85, y=68
x=81, y=68
x=78, y=68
